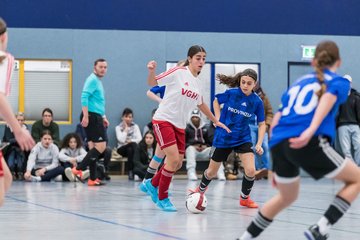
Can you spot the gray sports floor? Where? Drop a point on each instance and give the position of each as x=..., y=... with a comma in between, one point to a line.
x=34, y=211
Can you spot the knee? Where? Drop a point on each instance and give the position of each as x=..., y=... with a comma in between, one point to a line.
x=180, y=163
x=133, y=145
x=250, y=172
x=356, y=182
x=174, y=162
x=100, y=148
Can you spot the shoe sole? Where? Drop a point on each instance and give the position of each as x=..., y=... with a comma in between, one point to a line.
x=309, y=235
x=79, y=178
x=166, y=210
x=69, y=175
x=243, y=205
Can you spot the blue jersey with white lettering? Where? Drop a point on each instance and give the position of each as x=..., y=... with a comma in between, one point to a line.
x=235, y=114
x=158, y=90
x=299, y=102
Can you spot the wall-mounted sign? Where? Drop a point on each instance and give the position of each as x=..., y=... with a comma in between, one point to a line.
x=308, y=52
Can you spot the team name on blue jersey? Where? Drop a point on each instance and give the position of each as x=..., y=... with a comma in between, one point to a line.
x=299, y=103
x=236, y=114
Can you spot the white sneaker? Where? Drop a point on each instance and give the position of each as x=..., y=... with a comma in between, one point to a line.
x=69, y=174
x=85, y=174
x=58, y=178
x=192, y=175
x=221, y=177
x=137, y=178
x=35, y=178
x=221, y=173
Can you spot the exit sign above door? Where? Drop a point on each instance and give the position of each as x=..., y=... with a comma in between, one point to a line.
x=308, y=52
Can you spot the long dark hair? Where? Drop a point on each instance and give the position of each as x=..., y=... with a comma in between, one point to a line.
x=142, y=143
x=326, y=54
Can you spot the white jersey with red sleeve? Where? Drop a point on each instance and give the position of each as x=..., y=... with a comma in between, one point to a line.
x=182, y=95
x=6, y=70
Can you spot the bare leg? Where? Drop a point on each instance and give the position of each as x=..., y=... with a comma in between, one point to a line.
x=5, y=181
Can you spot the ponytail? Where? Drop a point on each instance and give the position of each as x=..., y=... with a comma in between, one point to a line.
x=228, y=80
x=326, y=55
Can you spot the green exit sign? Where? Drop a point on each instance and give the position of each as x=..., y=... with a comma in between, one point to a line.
x=308, y=52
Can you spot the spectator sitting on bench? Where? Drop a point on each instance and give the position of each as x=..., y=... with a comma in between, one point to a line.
x=146, y=150
x=14, y=156
x=46, y=123
x=128, y=136
x=198, y=146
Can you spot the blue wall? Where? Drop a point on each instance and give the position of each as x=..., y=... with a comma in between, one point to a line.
x=128, y=52
x=331, y=17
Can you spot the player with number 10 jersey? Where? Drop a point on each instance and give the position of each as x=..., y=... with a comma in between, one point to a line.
x=299, y=102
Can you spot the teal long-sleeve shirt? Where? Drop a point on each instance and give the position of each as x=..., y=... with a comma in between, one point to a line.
x=92, y=95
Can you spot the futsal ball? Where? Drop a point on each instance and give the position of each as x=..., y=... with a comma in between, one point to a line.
x=196, y=203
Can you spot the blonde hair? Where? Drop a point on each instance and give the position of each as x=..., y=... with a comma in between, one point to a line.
x=20, y=114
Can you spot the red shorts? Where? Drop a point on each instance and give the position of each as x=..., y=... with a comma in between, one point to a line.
x=167, y=134
x=1, y=167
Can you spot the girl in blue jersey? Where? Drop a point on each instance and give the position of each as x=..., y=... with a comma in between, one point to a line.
x=302, y=130
x=239, y=104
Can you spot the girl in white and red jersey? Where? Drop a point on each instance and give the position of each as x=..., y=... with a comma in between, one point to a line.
x=22, y=136
x=182, y=96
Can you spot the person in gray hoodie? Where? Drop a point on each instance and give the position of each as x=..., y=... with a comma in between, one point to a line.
x=198, y=145
x=43, y=162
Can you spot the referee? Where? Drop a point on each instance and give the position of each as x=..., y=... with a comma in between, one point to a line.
x=94, y=121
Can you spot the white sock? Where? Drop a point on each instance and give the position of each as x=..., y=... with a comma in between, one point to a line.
x=243, y=196
x=246, y=236
x=324, y=225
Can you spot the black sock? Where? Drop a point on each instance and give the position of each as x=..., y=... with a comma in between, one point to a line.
x=246, y=186
x=93, y=170
x=92, y=155
x=205, y=181
x=258, y=225
x=90, y=160
x=336, y=210
x=150, y=172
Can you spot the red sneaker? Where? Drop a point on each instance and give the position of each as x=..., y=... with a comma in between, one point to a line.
x=78, y=174
x=99, y=181
x=248, y=203
x=94, y=183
